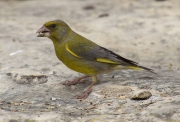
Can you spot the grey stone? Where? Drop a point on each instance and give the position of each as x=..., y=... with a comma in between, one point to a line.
x=141, y=95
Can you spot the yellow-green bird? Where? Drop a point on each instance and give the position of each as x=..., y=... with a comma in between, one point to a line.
x=82, y=55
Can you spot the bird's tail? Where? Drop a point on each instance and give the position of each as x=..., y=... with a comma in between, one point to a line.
x=140, y=68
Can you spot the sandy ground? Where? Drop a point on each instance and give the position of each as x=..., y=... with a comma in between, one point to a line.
x=146, y=31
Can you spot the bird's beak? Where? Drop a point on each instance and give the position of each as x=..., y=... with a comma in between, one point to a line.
x=43, y=32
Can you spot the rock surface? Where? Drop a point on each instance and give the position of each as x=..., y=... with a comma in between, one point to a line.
x=146, y=31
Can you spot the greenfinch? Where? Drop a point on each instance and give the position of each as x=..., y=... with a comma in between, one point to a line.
x=82, y=55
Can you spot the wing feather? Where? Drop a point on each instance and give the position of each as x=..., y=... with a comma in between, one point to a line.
x=94, y=52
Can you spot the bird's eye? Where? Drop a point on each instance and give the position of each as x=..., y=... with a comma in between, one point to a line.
x=53, y=25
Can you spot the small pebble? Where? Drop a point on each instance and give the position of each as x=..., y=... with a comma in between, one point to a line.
x=16, y=104
x=46, y=103
x=52, y=73
x=122, y=97
x=53, y=98
x=141, y=95
x=170, y=66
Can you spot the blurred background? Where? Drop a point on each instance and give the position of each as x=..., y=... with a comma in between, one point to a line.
x=143, y=30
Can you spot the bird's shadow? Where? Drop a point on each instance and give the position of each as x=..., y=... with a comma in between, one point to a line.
x=120, y=78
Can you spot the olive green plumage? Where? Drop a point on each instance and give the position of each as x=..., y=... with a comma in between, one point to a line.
x=81, y=54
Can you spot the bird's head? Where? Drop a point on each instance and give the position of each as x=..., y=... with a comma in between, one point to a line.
x=56, y=30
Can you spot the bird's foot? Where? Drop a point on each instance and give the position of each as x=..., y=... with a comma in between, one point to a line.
x=84, y=95
x=76, y=81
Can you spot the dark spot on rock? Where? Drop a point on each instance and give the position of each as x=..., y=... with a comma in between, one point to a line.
x=91, y=103
x=13, y=120
x=146, y=78
x=9, y=74
x=13, y=39
x=160, y=0
x=8, y=102
x=88, y=7
x=152, y=43
x=25, y=66
x=103, y=15
x=163, y=41
x=45, y=69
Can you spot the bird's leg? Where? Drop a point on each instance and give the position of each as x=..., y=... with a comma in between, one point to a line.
x=73, y=82
x=88, y=90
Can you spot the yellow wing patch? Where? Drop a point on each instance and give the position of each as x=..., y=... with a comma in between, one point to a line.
x=67, y=48
x=103, y=60
x=133, y=67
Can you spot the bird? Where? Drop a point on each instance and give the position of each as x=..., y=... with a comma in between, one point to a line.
x=83, y=55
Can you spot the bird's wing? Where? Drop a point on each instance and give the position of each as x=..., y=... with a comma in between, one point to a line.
x=91, y=51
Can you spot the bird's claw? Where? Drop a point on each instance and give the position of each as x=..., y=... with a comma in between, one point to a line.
x=68, y=83
x=84, y=95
